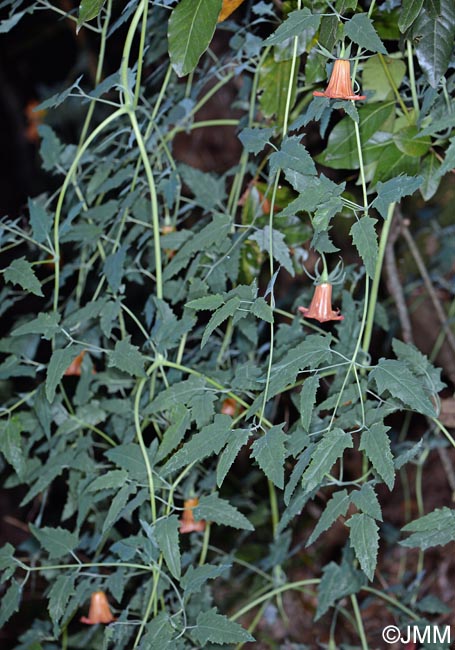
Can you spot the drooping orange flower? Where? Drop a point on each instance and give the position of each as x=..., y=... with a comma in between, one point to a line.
x=187, y=522
x=229, y=407
x=34, y=119
x=340, y=84
x=321, y=305
x=74, y=369
x=99, y=611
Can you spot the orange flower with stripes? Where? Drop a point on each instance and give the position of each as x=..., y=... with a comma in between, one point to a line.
x=321, y=305
x=340, y=84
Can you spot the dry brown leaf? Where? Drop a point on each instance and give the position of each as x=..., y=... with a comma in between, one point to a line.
x=228, y=7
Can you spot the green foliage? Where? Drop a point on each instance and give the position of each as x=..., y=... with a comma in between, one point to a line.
x=364, y=540
x=221, y=512
x=89, y=9
x=191, y=28
x=179, y=272
x=436, y=528
x=211, y=626
x=21, y=272
x=269, y=451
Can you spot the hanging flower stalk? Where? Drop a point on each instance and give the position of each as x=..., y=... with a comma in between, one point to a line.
x=187, y=522
x=99, y=611
x=321, y=304
x=340, y=84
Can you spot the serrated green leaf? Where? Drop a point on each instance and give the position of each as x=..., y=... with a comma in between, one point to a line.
x=313, y=351
x=307, y=400
x=295, y=23
x=336, y=507
x=255, y=139
x=167, y=536
x=127, y=357
x=393, y=191
x=376, y=444
x=419, y=364
x=11, y=444
x=51, y=148
x=435, y=529
x=338, y=581
x=159, y=634
x=209, y=189
x=279, y=247
x=210, y=440
x=393, y=376
x=113, y=479
x=297, y=472
x=216, y=628
x=55, y=465
x=207, y=302
x=21, y=272
x=360, y=30
x=59, y=362
x=328, y=450
x=364, y=539
x=7, y=556
x=365, y=239
x=367, y=502
x=435, y=38
x=59, y=595
x=174, y=434
x=113, y=268
x=262, y=310
x=218, y=317
x=118, y=503
x=45, y=324
x=191, y=27
x=10, y=602
x=239, y=438
x=88, y=9
x=40, y=220
x=410, y=9
x=129, y=457
x=219, y=511
x=292, y=155
x=58, y=542
x=209, y=236
x=196, y=577
x=269, y=452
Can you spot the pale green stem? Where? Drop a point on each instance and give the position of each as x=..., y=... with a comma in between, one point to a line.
x=140, y=57
x=66, y=182
x=442, y=428
x=412, y=79
x=377, y=278
x=359, y=622
x=140, y=438
x=99, y=71
x=394, y=88
x=274, y=592
x=362, y=169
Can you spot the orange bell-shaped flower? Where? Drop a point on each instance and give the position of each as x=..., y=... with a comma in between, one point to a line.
x=340, y=85
x=321, y=305
x=99, y=611
x=187, y=522
x=74, y=369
